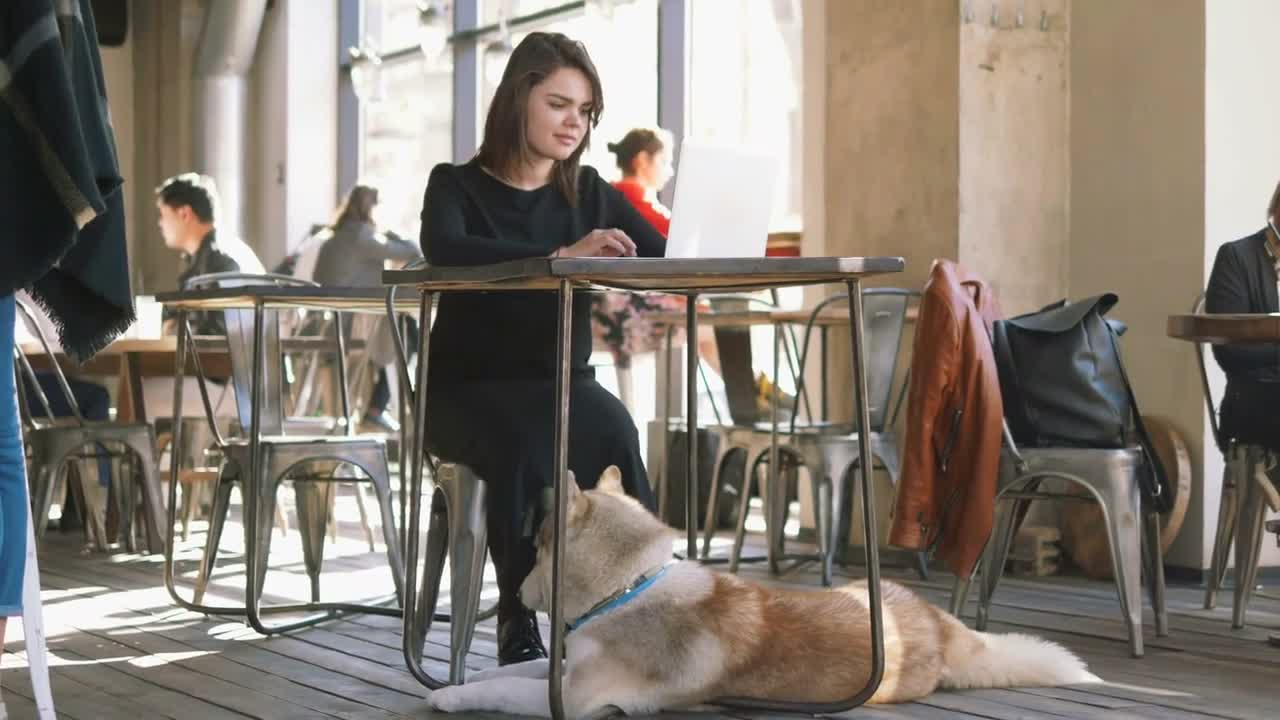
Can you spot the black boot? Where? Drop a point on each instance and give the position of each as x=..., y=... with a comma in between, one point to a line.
x=518, y=637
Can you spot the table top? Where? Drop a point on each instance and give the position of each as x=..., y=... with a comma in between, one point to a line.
x=205, y=343
x=647, y=274
x=750, y=318
x=345, y=299
x=1223, y=328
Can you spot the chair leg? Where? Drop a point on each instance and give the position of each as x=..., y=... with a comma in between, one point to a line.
x=433, y=557
x=42, y=498
x=95, y=504
x=364, y=514
x=1252, y=510
x=153, y=508
x=751, y=474
x=713, y=500
x=258, y=540
x=217, y=521
x=824, y=489
x=331, y=518
x=1007, y=514
x=467, y=549
x=777, y=484
x=1223, y=534
x=1153, y=558
x=381, y=481
x=313, y=500
x=1122, y=511
x=190, y=498
x=960, y=594
x=282, y=521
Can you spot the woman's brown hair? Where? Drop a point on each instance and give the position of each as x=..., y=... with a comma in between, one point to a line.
x=635, y=142
x=357, y=205
x=506, y=144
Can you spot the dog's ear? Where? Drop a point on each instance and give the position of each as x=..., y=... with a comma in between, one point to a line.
x=611, y=481
x=577, y=503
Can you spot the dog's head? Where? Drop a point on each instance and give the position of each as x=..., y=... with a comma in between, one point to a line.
x=610, y=538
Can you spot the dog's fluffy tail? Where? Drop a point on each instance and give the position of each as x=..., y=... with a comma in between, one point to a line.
x=1012, y=660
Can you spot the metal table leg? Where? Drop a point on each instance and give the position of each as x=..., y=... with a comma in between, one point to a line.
x=563, y=332
x=403, y=405
x=691, y=426
x=664, y=483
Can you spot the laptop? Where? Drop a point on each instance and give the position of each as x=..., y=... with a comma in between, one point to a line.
x=723, y=201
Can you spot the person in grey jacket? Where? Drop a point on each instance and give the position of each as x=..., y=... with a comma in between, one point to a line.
x=355, y=256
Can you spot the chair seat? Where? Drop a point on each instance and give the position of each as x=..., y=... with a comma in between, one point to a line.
x=1084, y=462
x=335, y=440
x=818, y=428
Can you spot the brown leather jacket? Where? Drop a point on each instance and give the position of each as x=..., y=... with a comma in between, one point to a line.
x=951, y=449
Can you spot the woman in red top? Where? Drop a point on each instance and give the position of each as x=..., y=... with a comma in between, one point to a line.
x=621, y=320
x=646, y=168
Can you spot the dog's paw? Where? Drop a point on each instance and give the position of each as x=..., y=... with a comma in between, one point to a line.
x=448, y=699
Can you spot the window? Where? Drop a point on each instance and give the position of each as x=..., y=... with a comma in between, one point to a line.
x=494, y=11
x=407, y=122
x=745, y=86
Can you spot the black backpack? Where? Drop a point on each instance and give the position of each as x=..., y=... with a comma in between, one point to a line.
x=1064, y=385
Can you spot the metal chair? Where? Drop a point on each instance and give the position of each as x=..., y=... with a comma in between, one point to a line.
x=1242, y=507
x=1111, y=478
x=52, y=442
x=253, y=341
x=733, y=344
x=457, y=531
x=830, y=451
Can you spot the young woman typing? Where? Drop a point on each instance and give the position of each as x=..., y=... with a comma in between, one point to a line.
x=492, y=359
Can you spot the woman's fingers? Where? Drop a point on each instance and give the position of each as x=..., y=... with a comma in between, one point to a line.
x=626, y=241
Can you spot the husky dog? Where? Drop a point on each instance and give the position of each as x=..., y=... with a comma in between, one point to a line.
x=650, y=634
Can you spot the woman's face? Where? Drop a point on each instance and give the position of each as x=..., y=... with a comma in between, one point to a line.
x=653, y=170
x=558, y=114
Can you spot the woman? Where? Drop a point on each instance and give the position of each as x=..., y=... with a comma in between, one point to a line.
x=354, y=256
x=491, y=385
x=646, y=168
x=1246, y=279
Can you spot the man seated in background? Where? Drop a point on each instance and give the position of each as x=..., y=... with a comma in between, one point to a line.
x=188, y=205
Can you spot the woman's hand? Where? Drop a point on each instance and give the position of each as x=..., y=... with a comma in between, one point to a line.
x=609, y=242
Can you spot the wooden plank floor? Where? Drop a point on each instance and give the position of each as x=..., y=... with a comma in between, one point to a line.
x=121, y=649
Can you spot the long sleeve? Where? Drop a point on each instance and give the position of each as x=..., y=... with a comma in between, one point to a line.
x=621, y=214
x=1228, y=292
x=444, y=237
x=385, y=246
x=656, y=215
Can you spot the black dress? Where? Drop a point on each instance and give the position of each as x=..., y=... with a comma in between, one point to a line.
x=491, y=384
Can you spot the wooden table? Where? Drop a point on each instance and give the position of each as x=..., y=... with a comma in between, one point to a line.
x=675, y=276
x=132, y=359
x=1221, y=329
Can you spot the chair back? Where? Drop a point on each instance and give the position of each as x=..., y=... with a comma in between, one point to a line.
x=733, y=344
x=1210, y=405
x=884, y=316
x=240, y=328
x=22, y=367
